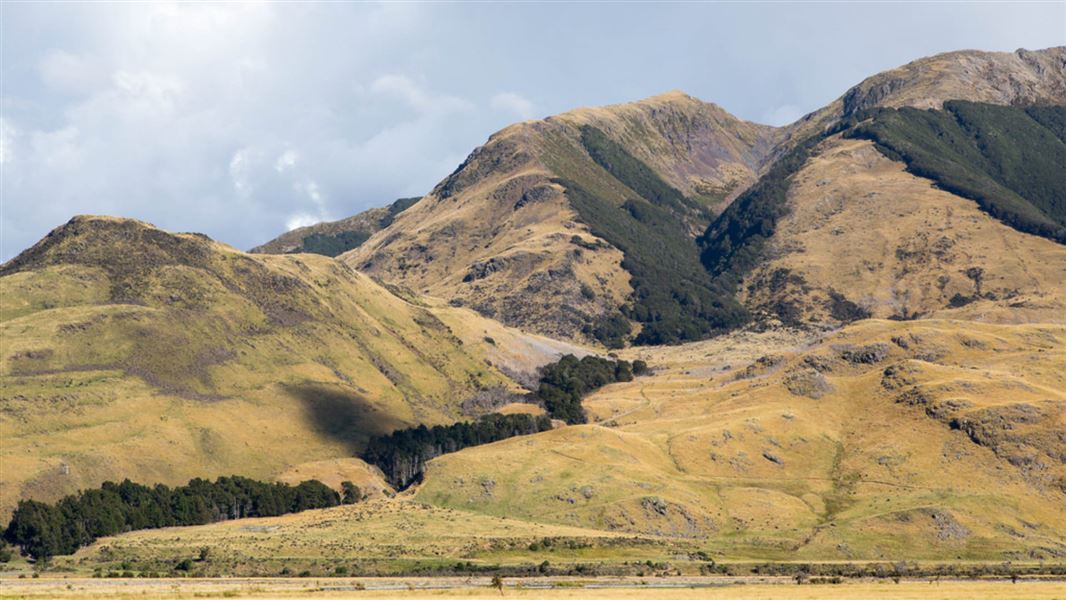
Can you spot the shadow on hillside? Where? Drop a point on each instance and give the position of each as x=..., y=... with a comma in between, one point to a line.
x=342, y=414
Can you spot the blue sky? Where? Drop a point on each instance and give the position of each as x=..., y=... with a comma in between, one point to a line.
x=242, y=120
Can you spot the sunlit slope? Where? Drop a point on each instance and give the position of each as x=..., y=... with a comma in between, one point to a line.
x=132, y=352
x=859, y=228
x=932, y=439
x=500, y=235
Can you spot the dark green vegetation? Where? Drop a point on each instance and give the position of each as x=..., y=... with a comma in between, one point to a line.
x=402, y=454
x=44, y=530
x=733, y=243
x=332, y=245
x=564, y=383
x=673, y=297
x=396, y=208
x=1010, y=160
x=636, y=175
x=335, y=244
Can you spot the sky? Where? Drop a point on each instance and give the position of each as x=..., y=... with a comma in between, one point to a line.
x=242, y=121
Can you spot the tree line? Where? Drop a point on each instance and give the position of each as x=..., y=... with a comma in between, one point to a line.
x=44, y=530
x=402, y=454
x=564, y=383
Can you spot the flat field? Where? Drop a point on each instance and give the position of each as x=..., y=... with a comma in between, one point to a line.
x=454, y=587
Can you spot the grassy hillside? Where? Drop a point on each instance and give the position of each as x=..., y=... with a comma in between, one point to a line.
x=581, y=224
x=379, y=537
x=1008, y=159
x=913, y=250
x=336, y=237
x=132, y=352
x=887, y=440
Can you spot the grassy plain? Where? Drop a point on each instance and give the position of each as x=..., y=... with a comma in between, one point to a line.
x=422, y=589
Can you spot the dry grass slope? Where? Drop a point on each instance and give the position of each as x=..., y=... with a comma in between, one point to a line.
x=132, y=352
x=912, y=250
x=929, y=439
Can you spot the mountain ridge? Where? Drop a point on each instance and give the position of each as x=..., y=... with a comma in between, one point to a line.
x=897, y=391
x=521, y=270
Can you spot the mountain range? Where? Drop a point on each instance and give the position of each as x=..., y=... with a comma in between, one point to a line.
x=854, y=323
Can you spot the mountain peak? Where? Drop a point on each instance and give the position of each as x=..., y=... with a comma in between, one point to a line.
x=1005, y=78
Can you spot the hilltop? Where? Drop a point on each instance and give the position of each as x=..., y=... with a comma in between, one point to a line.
x=133, y=352
x=505, y=235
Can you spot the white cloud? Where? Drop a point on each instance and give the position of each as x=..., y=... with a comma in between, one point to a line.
x=286, y=161
x=416, y=97
x=71, y=73
x=237, y=120
x=513, y=103
x=313, y=192
x=239, y=168
x=300, y=220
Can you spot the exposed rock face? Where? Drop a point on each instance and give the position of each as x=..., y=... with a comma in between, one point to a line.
x=1008, y=78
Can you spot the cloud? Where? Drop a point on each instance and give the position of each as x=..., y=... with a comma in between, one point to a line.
x=219, y=117
x=70, y=73
x=514, y=104
x=416, y=97
x=300, y=220
x=286, y=161
x=232, y=119
x=239, y=169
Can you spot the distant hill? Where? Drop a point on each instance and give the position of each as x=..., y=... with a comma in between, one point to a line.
x=335, y=237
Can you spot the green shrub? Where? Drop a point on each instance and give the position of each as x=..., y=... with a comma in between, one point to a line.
x=333, y=244
x=673, y=297
x=733, y=244
x=636, y=175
